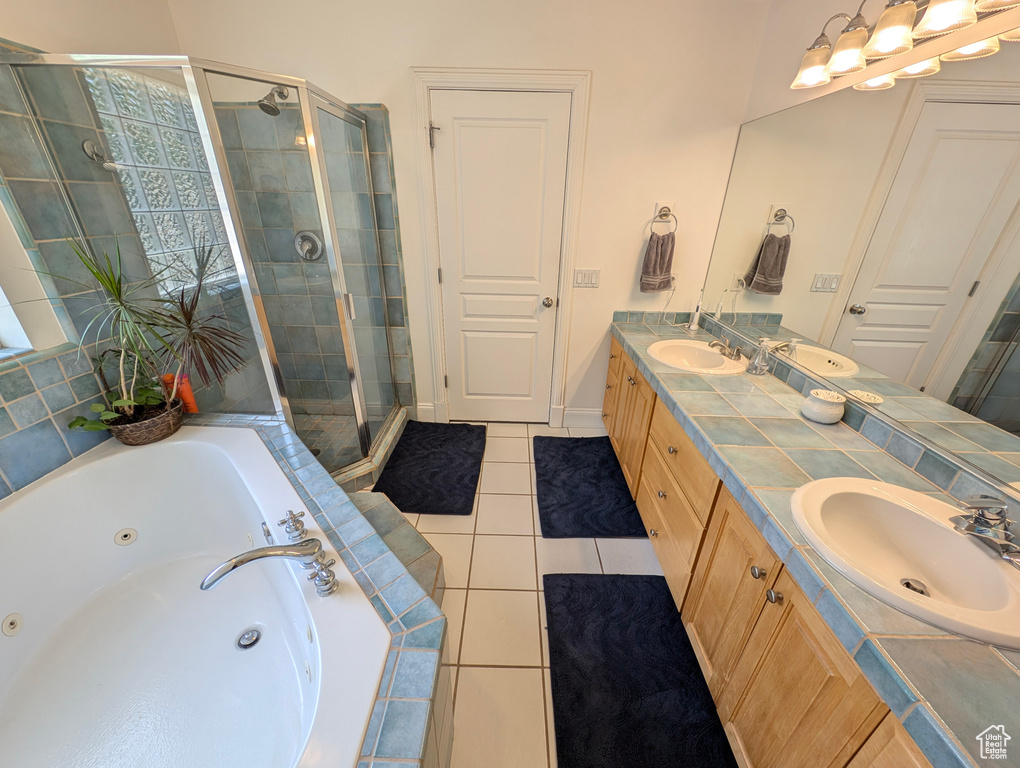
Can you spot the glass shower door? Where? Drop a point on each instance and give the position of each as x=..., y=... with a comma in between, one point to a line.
x=344, y=145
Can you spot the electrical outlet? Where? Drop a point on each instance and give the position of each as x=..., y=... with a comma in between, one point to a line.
x=587, y=278
x=737, y=283
x=825, y=283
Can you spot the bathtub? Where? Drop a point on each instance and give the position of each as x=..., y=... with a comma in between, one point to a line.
x=111, y=656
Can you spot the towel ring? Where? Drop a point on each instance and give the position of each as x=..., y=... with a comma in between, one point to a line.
x=665, y=214
x=782, y=217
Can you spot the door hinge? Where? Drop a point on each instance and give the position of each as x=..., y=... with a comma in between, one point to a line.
x=973, y=288
x=446, y=382
x=432, y=134
x=440, y=271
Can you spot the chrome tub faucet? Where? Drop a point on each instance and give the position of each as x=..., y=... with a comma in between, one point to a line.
x=308, y=552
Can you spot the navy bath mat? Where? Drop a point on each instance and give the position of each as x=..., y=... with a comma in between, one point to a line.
x=626, y=687
x=581, y=490
x=434, y=469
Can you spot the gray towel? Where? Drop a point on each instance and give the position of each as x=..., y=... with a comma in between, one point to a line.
x=766, y=273
x=657, y=271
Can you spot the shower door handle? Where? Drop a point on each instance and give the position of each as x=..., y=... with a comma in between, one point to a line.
x=348, y=301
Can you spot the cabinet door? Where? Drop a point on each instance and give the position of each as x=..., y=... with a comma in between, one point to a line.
x=623, y=402
x=691, y=470
x=890, y=746
x=639, y=415
x=615, y=357
x=726, y=597
x=795, y=698
x=609, y=402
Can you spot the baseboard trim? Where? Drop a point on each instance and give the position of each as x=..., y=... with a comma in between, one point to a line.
x=582, y=417
x=556, y=416
x=426, y=412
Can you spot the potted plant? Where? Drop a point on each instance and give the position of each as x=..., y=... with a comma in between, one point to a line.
x=154, y=342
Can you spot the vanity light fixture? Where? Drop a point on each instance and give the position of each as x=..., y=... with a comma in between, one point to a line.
x=1011, y=37
x=892, y=35
x=943, y=16
x=980, y=50
x=985, y=6
x=812, y=67
x=880, y=83
x=848, y=55
x=921, y=69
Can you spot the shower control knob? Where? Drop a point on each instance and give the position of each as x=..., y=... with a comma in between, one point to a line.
x=547, y=301
x=858, y=309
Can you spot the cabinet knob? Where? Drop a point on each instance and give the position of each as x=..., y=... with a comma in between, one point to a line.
x=605, y=415
x=609, y=386
x=671, y=450
x=630, y=379
x=757, y=573
x=612, y=356
x=774, y=597
x=662, y=494
x=652, y=532
x=632, y=382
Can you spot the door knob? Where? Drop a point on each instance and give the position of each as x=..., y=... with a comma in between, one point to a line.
x=774, y=597
x=547, y=301
x=757, y=573
x=858, y=309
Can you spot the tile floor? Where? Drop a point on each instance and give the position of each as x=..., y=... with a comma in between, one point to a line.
x=334, y=437
x=494, y=561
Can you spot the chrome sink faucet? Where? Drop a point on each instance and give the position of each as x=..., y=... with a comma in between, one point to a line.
x=985, y=519
x=308, y=552
x=733, y=353
x=789, y=347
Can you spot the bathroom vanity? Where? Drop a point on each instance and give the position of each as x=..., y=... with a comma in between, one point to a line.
x=805, y=668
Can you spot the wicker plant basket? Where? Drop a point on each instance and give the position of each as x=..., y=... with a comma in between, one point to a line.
x=159, y=427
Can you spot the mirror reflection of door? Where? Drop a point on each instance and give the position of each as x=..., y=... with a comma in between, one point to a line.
x=948, y=223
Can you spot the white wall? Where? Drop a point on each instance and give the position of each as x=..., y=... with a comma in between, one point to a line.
x=90, y=26
x=669, y=89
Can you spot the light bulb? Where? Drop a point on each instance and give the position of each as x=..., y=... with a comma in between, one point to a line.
x=847, y=56
x=979, y=50
x=944, y=16
x=812, y=68
x=881, y=83
x=892, y=34
x=921, y=69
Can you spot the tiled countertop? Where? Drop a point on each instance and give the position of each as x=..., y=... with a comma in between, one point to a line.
x=944, y=688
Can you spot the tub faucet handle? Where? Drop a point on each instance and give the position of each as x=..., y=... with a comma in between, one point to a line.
x=293, y=526
x=324, y=578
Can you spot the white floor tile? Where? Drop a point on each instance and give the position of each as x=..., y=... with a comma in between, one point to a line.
x=566, y=556
x=543, y=626
x=628, y=556
x=511, y=449
x=503, y=562
x=506, y=478
x=499, y=719
x=587, y=431
x=501, y=629
x=453, y=609
x=549, y=719
x=545, y=429
x=505, y=515
x=496, y=429
x=448, y=523
x=455, y=549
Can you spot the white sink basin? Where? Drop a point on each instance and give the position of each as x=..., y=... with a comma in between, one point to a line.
x=695, y=357
x=883, y=537
x=825, y=362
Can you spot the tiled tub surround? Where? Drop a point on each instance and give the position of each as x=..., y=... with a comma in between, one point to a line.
x=945, y=689
x=959, y=434
x=411, y=723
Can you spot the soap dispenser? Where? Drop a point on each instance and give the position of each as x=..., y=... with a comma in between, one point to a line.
x=759, y=366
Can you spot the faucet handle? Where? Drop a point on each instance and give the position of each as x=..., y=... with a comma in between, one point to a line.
x=292, y=517
x=323, y=578
x=293, y=526
x=983, y=502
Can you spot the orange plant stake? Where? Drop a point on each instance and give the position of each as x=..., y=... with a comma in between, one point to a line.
x=184, y=391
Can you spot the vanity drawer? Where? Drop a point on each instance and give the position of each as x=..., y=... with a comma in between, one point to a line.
x=678, y=531
x=615, y=357
x=691, y=470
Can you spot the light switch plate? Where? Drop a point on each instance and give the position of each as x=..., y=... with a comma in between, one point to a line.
x=587, y=278
x=825, y=283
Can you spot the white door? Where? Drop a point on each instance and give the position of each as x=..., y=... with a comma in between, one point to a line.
x=500, y=167
x=954, y=193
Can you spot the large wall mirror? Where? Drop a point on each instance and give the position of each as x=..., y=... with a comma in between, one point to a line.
x=903, y=272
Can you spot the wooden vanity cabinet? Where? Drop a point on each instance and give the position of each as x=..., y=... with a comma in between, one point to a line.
x=795, y=698
x=890, y=746
x=609, y=403
x=630, y=422
x=727, y=594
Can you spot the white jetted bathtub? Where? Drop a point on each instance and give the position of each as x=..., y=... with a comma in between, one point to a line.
x=112, y=657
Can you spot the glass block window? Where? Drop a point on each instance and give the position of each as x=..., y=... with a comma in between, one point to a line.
x=152, y=135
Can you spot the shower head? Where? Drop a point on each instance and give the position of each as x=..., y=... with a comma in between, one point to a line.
x=268, y=103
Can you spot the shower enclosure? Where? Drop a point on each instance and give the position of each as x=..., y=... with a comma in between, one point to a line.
x=170, y=157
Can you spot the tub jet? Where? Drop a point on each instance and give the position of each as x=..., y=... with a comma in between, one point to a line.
x=248, y=639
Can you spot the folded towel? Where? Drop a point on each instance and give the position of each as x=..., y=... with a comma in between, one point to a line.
x=769, y=266
x=657, y=270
